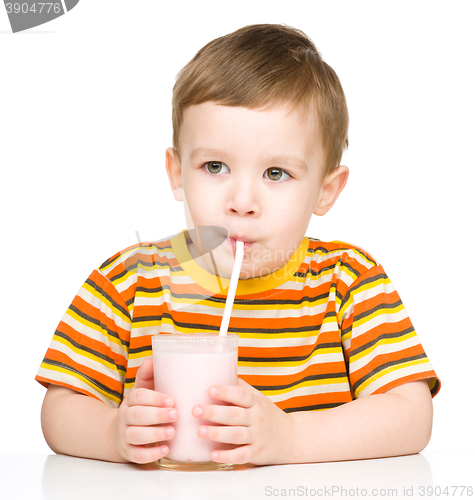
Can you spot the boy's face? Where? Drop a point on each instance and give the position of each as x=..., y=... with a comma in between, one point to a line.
x=258, y=174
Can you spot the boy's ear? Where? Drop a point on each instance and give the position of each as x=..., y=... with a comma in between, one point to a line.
x=173, y=166
x=331, y=188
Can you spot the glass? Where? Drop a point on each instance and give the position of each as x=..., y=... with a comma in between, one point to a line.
x=185, y=367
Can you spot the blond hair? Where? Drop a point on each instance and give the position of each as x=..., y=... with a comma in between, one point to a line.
x=261, y=66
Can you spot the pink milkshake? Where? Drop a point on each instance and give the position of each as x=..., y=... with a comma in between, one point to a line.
x=185, y=367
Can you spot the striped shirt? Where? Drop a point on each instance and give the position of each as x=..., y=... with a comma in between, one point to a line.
x=326, y=328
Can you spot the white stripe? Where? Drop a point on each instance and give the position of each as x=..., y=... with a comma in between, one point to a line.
x=342, y=387
x=94, y=301
x=124, y=285
x=383, y=349
x=100, y=336
x=381, y=319
x=290, y=370
x=74, y=382
x=86, y=361
x=394, y=375
x=276, y=341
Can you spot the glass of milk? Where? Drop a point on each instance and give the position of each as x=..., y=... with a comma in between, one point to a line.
x=185, y=367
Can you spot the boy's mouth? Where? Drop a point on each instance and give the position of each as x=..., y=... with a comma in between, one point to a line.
x=232, y=243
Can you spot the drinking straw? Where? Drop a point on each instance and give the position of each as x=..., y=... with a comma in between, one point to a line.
x=232, y=288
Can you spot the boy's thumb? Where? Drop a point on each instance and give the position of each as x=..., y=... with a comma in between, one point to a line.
x=144, y=377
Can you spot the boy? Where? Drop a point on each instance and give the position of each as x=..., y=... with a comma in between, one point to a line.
x=260, y=123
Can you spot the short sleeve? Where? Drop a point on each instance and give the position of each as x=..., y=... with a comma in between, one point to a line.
x=381, y=347
x=89, y=349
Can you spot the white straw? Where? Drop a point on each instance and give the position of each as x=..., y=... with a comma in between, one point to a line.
x=232, y=288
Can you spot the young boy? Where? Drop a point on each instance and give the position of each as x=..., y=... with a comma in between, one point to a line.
x=260, y=123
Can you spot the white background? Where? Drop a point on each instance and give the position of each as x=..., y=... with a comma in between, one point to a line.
x=85, y=118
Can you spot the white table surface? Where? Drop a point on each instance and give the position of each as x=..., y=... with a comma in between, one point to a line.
x=67, y=478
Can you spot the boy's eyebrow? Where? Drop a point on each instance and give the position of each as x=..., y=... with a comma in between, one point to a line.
x=276, y=160
x=288, y=160
x=207, y=152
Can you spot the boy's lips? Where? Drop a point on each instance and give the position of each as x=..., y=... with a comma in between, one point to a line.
x=232, y=242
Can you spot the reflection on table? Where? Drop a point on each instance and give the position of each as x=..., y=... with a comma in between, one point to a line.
x=56, y=477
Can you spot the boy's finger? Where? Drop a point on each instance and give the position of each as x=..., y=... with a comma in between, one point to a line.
x=240, y=455
x=146, y=454
x=148, y=415
x=149, y=434
x=144, y=377
x=147, y=397
x=229, y=435
x=236, y=395
x=221, y=414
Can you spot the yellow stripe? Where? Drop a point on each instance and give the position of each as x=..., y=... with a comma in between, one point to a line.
x=382, y=342
x=80, y=377
x=307, y=383
x=108, y=303
x=352, y=248
x=364, y=288
x=139, y=266
x=141, y=354
x=387, y=371
x=252, y=308
x=329, y=350
x=432, y=383
x=277, y=336
x=93, y=326
x=121, y=257
x=342, y=311
x=123, y=278
x=369, y=286
x=153, y=322
x=88, y=355
x=344, y=270
x=379, y=312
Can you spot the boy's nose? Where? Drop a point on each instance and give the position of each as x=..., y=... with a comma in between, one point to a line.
x=243, y=200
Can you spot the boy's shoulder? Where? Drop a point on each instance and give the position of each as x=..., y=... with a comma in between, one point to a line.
x=144, y=254
x=345, y=254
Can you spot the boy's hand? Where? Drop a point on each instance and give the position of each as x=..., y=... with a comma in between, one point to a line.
x=137, y=428
x=263, y=430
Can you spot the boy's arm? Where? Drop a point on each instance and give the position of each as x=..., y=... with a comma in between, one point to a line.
x=398, y=422
x=78, y=425
x=82, y=426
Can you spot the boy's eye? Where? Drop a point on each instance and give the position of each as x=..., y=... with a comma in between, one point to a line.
x=276, y=174
x=214, y=167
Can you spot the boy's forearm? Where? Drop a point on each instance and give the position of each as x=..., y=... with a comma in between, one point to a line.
x=78, y=425
x=398, y=422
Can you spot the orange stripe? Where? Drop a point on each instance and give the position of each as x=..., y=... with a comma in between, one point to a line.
x=329, y=398
x=45, y=382
x=382, y=359
x=404, y=380
x=279, y=380
x=93, y=344
x=382, y=329
x=109, y=382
